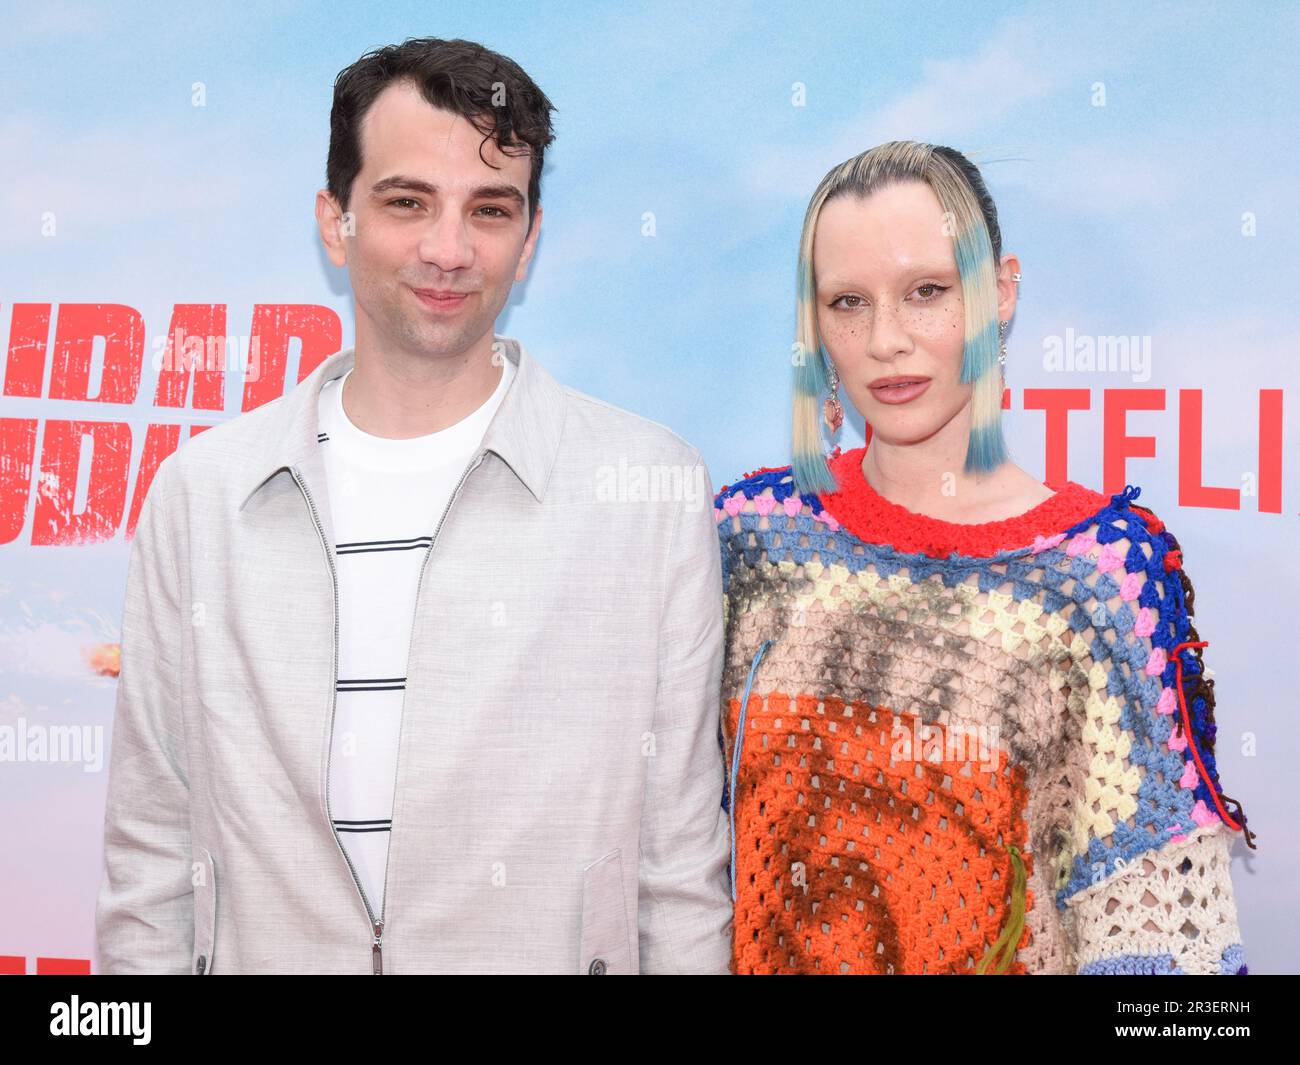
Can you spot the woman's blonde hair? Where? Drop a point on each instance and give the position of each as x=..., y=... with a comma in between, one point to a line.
x=972, y=219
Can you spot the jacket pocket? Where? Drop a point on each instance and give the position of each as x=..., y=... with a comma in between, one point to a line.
x=604, y=942
x=204, y=879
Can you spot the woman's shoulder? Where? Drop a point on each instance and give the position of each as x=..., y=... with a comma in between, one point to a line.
x=766, y=491
x=1116, y=519
x=1123, y=553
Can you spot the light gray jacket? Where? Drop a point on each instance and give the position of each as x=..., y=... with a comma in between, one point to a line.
x=557, y=803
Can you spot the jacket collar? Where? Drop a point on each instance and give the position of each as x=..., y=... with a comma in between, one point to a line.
x=524, y=432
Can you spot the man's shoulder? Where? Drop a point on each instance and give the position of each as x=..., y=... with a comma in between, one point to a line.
x=224, y=452
x=600, y=426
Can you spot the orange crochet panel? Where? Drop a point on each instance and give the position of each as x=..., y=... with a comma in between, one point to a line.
x=852, y=859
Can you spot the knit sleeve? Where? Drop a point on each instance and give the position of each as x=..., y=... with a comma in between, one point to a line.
x=1142, y=865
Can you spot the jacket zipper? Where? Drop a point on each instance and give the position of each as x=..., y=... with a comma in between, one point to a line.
x=376, y=924
x=415, y=612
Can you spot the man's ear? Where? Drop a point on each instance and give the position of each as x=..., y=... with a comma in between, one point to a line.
x=530, y=245
x=334, y=224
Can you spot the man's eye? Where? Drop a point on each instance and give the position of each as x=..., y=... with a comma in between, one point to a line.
x=500, y=212
x=403, y=199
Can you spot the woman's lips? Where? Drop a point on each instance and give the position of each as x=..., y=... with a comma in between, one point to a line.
x=903, y=391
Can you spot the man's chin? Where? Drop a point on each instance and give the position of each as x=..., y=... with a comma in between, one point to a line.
x=434, y=339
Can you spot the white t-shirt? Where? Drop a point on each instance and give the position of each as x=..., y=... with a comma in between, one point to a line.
x=386, y=497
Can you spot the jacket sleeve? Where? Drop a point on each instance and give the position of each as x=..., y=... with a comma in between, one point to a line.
x=684, y=911
x=723, y=529
x=145, y=910
x=1143, y=877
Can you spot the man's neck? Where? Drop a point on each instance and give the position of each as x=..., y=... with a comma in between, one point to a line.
x=397, y=396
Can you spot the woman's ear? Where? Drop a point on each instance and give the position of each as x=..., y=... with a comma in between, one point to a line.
x=1007, y=287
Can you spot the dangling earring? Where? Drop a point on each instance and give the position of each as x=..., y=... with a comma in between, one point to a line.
x=1002, y=331
x=832, y=412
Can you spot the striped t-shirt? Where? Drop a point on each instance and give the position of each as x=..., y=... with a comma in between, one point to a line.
x=386, y=497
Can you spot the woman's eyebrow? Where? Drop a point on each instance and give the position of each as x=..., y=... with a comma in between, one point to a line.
x=915, y=271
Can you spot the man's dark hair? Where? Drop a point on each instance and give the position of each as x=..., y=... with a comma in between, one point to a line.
x=488, y=89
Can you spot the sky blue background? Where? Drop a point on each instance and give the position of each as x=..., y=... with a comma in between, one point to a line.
x=1127, y=220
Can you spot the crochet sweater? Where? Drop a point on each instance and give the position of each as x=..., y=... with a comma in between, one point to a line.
x=961, y=748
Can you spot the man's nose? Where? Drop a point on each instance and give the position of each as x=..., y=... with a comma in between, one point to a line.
x=445, y=242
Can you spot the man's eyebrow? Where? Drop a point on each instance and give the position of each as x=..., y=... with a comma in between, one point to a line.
x=399, y=182
x=500, y=192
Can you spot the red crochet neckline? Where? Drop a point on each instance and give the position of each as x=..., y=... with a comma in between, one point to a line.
x=874, y=519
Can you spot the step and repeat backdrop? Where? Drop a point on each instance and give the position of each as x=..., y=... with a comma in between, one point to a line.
x=162, y=272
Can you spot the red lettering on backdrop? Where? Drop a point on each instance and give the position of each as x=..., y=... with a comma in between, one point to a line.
x=29, y=329
x=1056, y=404
x=1117, y=446
x=62, y=966
x=1270, y=451
x=274, y=325
x=1192, y=491
x=17, y=453
x=199, y=331
x=16, y=965
x=75, y=332
x=196, y=347
x=110, y=461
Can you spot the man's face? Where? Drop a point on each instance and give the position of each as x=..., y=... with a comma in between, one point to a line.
x=439, y=235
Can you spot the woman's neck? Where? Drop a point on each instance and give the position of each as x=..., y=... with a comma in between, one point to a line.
x=933, y=481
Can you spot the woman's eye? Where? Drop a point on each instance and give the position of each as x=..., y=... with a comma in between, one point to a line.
x=938, y=291
x=842, y=301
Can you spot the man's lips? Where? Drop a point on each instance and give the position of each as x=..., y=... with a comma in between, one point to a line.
x=445, y=299
x=441, y=293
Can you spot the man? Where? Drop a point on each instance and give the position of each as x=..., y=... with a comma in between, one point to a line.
x=421, y=662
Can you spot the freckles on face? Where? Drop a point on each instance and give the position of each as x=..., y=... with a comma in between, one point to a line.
x=887, y=286
x=889, y=302
x=950, y=334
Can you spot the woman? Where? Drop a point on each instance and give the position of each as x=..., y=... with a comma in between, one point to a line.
x=965, y=717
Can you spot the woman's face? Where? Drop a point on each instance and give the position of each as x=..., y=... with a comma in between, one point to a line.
x=889, y=305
